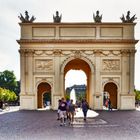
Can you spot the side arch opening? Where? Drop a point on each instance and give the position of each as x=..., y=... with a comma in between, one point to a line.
x=110, y=91
x=43, y=95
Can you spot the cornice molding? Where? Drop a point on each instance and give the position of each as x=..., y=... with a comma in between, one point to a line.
x=78, y=41
x=76, y=23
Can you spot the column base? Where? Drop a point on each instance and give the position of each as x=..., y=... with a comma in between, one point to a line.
x=127, y=102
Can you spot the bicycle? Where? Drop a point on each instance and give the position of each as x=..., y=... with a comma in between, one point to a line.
x=6, y=107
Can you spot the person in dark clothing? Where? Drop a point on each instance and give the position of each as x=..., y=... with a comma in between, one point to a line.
x=109, y=104
x=71, y=111
x=63, y=109
x=1, y=104
x=58, y=111
x=85, y=108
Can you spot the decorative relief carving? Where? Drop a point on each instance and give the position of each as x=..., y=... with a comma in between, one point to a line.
x=66, y=52
x=77, y=54
x=97, y=52
x=111, y=52
x=22, y=52
x=57, y=52
x=115, y=80
x=125, y=52
x=132, y=52
x=48, y=80
x=111, y=65
x=39, y=52
x=29, y=52
x=43, y=52
x=69, y=58
x=44, y=65
x=88, y=52
x=48, y=52
x=53, y=52
x=116, y=53
x=26, y=52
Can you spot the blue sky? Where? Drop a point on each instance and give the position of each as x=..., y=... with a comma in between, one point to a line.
x=72, y=11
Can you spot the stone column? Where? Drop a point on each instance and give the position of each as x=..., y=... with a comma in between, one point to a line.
x=22, y=71
x=132, y=69
x=125, y=72
x=127, y=81
x=62, y=88
x=97, y=71
x=91, y=90
x=57, y=81
x=30, y=71
x=57, y=54
x=97, y=96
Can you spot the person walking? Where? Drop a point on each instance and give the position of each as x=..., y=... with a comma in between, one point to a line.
x=58, y=111
x=85, y=108
x=109, y=105
x=67, y=111
x=71, y=112
x=106, y=103
x=63, y=114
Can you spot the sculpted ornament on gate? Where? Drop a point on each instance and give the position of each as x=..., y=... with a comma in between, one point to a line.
x=48, y=80
x=44, y=65
x=115, y=80
x=109, y=65
x=77, y=54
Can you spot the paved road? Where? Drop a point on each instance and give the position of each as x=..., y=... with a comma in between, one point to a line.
x=42, y=125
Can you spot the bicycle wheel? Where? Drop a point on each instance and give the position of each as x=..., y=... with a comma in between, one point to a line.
x=7, y=108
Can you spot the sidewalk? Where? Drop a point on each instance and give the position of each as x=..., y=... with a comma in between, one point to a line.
x=12, y=109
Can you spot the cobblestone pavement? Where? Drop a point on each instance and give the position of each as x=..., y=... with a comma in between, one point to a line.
x=42, y=125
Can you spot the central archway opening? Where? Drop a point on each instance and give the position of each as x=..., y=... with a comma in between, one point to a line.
x=77, y=79
x=75, y=85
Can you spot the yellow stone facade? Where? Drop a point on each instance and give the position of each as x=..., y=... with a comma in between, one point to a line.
x=104, y=51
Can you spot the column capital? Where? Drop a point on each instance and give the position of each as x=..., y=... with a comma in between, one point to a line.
x=98, y=52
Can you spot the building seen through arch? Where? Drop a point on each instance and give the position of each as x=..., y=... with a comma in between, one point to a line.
x=104, y=51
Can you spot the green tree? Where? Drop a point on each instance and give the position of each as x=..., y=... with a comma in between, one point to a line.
x=1, y=94
x=8, y=80
x=137, y=95
x=7, y=95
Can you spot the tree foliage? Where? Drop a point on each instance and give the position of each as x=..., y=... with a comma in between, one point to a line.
x=7, y=95
x=8, y=81
x=137, y=95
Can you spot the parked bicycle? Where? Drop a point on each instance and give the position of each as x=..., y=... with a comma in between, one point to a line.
x=6, y=106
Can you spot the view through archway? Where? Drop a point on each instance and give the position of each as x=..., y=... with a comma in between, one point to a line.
x=77, y=79
x=75, y=85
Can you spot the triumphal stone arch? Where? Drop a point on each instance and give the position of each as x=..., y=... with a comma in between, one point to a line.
x=104, y=51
